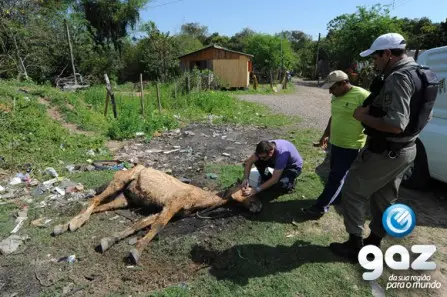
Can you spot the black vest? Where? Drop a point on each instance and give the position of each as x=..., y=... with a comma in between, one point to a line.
x=421, y=103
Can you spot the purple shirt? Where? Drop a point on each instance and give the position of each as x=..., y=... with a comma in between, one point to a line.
x=286, y=155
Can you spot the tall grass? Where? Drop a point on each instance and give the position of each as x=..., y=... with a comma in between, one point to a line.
x=30, y=135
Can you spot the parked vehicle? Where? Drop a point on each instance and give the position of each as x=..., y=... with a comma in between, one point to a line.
x=431, y=158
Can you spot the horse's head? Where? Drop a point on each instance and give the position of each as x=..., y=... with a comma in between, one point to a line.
x=251, y=202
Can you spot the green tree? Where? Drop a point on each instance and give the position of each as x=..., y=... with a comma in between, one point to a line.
x=349, y=34
x=271, y=52
x=195, y=30
x=108, y=20
x=215, y=38
x=422, y=33
x=239, y=41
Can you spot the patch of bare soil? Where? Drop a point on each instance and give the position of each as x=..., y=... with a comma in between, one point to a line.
x=34, y=269
x=54, y=113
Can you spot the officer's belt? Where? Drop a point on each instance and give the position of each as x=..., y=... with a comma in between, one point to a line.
x=380, y=145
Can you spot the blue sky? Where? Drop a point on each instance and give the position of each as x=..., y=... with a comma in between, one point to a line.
x=230, y=16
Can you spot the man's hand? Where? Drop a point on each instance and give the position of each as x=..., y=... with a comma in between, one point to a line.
x=248, y=191
x=360, y=112
x=322, y=143
x=244, y=183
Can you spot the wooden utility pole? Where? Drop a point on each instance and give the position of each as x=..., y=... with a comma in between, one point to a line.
x=110, y=93
x=141, y=94
x=71, y=52
x=318, y=51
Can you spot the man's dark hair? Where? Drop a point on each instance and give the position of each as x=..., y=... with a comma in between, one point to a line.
x=264, y=147
x=397, y=52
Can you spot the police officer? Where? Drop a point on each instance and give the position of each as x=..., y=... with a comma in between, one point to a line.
x=392, y=126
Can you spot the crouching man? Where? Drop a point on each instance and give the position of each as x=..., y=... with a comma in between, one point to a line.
x=283, y=157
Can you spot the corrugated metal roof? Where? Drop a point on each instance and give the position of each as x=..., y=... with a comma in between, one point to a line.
x=217, y=47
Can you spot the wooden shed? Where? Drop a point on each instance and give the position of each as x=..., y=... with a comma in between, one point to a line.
x=231, y=67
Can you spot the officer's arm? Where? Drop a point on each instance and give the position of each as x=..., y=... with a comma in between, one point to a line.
x=396, y=96
x=379, y=124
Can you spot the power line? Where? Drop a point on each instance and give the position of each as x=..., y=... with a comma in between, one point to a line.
x=164, y=4
x=402, y=3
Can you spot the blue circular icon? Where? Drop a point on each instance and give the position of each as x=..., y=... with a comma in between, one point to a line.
x=399, y=220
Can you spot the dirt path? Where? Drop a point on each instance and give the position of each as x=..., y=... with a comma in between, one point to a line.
x=54, y=113
x=309, y=102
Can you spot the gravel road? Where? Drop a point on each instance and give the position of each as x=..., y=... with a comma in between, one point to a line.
x=309, y=102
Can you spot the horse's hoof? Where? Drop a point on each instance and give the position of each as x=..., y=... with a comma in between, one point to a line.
x=106, y=243
x=134, y=256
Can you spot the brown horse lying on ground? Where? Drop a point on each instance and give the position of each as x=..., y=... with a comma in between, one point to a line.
x=149, y=187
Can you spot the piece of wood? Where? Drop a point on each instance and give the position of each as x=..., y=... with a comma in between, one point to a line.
x=71, y=52
x=112, y=96
x=188, y=80
x=175, y=90
x=106, y=104
x=141, y=94
x=158, y=97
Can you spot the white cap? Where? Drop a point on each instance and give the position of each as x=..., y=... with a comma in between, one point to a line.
x=385, y=41
x=335, y=77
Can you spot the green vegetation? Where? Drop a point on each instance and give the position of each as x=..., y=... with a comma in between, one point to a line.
x=32, y=116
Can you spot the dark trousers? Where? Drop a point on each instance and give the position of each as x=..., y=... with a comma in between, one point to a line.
x=340, y=162
x=287, y=179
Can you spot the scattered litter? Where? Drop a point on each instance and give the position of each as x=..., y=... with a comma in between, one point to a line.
x=139, y=134
x=188, y=150
x=237, y=142
x=41, y=223
x=2, y=189
x=114, y=218
x=51, y=171
x=130, y=266
x=224, y=136
x=211, y=175
x=91, y=153
x=69, y=259
x=108, y=165
x=70, y=168
x=176, y=146
x=59, y=191
x=50, y=182
x=189, y=133
x=185, y=180
x=21, y=218
x=11, y=244
x=23, y=177
x=153, y=151
x=226, y=154
x=15, y=181
x=171, y=151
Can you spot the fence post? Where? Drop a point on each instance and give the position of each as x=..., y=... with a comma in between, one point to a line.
x=158, y=97
x=188, y=79
x=175, y=89
x=112, y=96
x=141, y=94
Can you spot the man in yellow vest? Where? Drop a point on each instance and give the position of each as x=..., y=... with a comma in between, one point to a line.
x=345, y=135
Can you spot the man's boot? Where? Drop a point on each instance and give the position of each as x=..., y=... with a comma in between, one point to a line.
x=372, y=239
x=349, y=249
